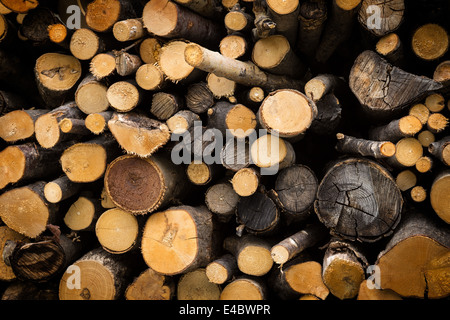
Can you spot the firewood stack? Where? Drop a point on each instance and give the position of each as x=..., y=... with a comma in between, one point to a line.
x=184, y=149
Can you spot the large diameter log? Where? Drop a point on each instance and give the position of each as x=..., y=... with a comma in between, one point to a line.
x=19, y=124
x=150, y=285
x=430, y=41
x=141, y=185
x=101, y=15
x=175, y=21
x=26, y=210
x=138, y=134
x=383, y=89
x=97, y=275
x=358, y=199
x=241, y=72
x=287, y=112
x=83, y=214
x=179, y=239
x=56, y=75
x=391, y=15
x=416, y=273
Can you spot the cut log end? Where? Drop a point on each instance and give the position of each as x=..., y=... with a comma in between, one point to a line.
x=430, y=41
x=101, y=15
x=81, y=214
x=408, y=151
x=243, y=289
x=102, y=65
x=57, y=32
x=123, y=96
x=440, y=197
x=174, y=67
x=388, y=44
x=199, y=173
x=149, y=77
x=84, y=44
x=245, y=182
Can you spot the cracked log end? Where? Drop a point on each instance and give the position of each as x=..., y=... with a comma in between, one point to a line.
x=358, y=199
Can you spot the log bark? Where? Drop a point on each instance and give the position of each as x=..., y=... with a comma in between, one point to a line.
x=195, y=285
x=243, y=73
x=150, y=285
x=378, y=87
x=235, y=154
x=8, y=236
x=366, y=148
x=179, y=239
x=126, y=63
x=35, y=25
x=26, y=210
x=138, y=134
x=104, y=276
x=206, y=8
x=329, y=116
x=56, y=75
x=168, y=183
x=182, y=121
x=166, y=104
x=264, y=25
x=422, y=270
x=199, y=98
x=441, y=150
x=311, y=22
x=60, y=189
x=97, y=123
x=178, y=22
x=18, y=125
x=222, y=269
x=358, y=199
x=251, y=253
x=87, y=161
x=10, y=101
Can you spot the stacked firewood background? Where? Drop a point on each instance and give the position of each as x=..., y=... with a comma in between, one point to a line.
x=234, y=149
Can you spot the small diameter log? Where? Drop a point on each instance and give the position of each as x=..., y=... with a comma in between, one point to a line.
x=311, y=22
x=237, y=20
x=85, y=44
x=138, y=134
x=200, y=173
x=175, y=21
x=56, y=75
x=150, y=77
x=323, y=84
x=439, y=196
x=150, y=49
x=104, y=276
x=20, y=6
x=195, y=285
x=426, y=138
x=424, y=164
x=129, y=29
x=391, y=16
x=245, y=182
x=418, y=194
x=232, y=119
x=368, y=291
x=275, y=55
x=124, y=95
x=435, y=102
x=166, y=104
x=127, y=63
x=60, y=189
x=20, y=163
x=245, y=288
x=90, y=96
x=383, y=89
x=297, y=277
x=199, y=98
x=258, y=214
x=343, y=269
x=397, y=129
x=430, y=42
x=391, y=48
x=442, y=73
x=286, y=112
x=240, y=72
x=83, y=214
x=45, y=258
x=441, y=150
x=285, y=15
x=102, y=65
x=411, y=272
x=7, y=237
x=179, y=239
x=406, y=180
x=233, y=46
x=220, y=87
x=296, y=243
x=47, y=131
x=19, y=124
x=264, y=26
x=251, y=253
x=366, y=148
x=26, y=210
x=97, y=123
x=235, y=154
x=272, y=153
x=421, y=112
x=150, y=285
x=407, y=152
x=222, y=200
x=329, y=115
x=173, y=64
x=338, y=27
x=251, y=97
x=437, y=122
x=74, y=127
x=295, y=191
x=182, y=121
x=358, y=199
x=101, y=15
x=35, y=24
x=59, y=34
x=222, y=269
x=117, y=231
x=141, y=185
x=87, y=161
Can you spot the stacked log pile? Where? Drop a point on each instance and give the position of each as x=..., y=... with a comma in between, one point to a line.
x=205, y=150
